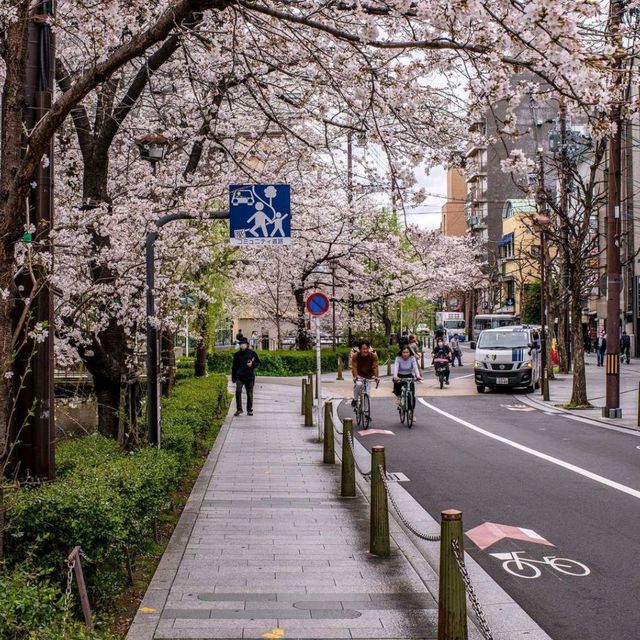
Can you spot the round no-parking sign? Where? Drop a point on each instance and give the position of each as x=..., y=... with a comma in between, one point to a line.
x=317, y=304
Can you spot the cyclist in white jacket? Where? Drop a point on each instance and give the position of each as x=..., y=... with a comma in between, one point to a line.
x=405, y=366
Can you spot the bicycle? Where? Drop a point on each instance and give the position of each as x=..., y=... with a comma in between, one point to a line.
x=363, y=405
x=407, y=401
x=441, y=369
x=526, y=567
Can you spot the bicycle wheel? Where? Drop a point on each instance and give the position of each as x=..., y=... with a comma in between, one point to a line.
x=402, y=407
x=525, y=570
x=366, y=411
x=411, y=404
x=569, y=567
x=359, y=411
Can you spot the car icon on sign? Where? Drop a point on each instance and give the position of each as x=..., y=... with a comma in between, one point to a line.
x=242, y=196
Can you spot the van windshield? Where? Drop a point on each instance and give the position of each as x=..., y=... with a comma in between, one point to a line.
x=454, y=324
x=503, y=340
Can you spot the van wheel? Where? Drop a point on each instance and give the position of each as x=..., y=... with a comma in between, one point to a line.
x=530, y=389
x=480, y=388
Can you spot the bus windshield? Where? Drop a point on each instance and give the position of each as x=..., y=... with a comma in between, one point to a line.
x=503, y=340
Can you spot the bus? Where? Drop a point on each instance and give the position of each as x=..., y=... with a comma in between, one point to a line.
x=492, y=321
x=452, y=322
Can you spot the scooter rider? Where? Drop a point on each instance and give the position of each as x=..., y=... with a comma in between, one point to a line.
x=442, y=351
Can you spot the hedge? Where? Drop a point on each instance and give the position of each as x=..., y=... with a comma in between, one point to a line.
x=290, y=363
x=106, y=500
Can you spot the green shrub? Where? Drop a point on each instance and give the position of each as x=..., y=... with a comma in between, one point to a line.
x=185, y=368
x=291, y=363
x=82, y=452
x=106, y=500
x=26, y=603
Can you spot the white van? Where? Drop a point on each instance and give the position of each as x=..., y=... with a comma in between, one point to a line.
x=508, y=357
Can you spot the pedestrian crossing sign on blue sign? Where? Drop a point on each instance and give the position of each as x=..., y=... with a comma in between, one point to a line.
x=260, y=214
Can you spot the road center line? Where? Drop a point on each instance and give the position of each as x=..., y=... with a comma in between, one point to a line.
x=538, y=454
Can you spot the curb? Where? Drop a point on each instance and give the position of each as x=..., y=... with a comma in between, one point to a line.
x=507, y=619
x=144, y=625
x=573, y=413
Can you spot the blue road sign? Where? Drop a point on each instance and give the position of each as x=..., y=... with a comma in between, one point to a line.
x=317, y=304
x=260, y=214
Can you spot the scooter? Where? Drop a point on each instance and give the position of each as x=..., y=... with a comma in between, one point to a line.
x=441, y=369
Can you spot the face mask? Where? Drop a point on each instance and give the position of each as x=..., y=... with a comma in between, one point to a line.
x=243, y=346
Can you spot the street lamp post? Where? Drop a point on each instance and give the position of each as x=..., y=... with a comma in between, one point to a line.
x=153, y=350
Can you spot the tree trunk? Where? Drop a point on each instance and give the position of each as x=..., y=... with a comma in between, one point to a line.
x=579, y=388
x=201, y=359
x=562, y=346
x=302, y=340
x=168, y=357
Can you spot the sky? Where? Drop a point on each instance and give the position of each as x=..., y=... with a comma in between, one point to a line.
x=428, y=214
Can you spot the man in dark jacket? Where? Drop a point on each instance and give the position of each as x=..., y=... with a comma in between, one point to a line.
x=243, y=373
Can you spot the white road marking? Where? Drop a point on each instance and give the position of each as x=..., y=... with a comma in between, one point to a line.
x=538, y=454
x=469, y=375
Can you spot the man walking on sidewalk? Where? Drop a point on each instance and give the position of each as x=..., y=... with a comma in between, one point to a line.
x=601, y=347
x=243, y=373
x=625, y=347
x=456, y=351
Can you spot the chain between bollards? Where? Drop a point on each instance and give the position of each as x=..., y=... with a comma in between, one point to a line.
x=308, y=405
x=329, y=452
x=348, y=480
x=452, y=600
x=379, y=544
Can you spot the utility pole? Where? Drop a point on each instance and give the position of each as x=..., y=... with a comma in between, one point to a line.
x=612, y=407
x=351, y=225
x=33, y=424
x=542, y=222
x=564, y=228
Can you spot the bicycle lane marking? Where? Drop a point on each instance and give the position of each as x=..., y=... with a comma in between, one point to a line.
x=538, y=454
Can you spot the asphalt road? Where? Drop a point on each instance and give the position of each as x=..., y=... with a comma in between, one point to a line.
x=574, y=484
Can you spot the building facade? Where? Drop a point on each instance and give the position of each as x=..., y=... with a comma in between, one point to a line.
x=454, y=219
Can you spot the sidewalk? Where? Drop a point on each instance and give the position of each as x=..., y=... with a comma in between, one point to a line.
x=265, y=548
x=560, y=393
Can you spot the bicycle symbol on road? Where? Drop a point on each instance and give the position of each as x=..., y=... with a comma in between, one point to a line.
x=526, y=567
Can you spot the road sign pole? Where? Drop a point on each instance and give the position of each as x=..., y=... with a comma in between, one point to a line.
x=319, y=377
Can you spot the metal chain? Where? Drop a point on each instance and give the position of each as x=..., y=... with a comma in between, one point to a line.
x=429, y=537
x=355, y=460
x=336, y=428
x=473, y=598
x=85, y=557
x=67, y=592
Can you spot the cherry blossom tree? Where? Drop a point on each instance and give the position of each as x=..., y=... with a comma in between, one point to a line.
x=219, y=78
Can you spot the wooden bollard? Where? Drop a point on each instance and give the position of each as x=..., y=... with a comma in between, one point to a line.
x=452, y=599
x=388, y=366
x=379, y=522
x=308, y=405
x=348, y=480
x=329, y=451
x=340, y=367
x=303, y=403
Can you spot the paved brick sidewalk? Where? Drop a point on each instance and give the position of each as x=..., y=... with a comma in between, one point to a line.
x=266, y=549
